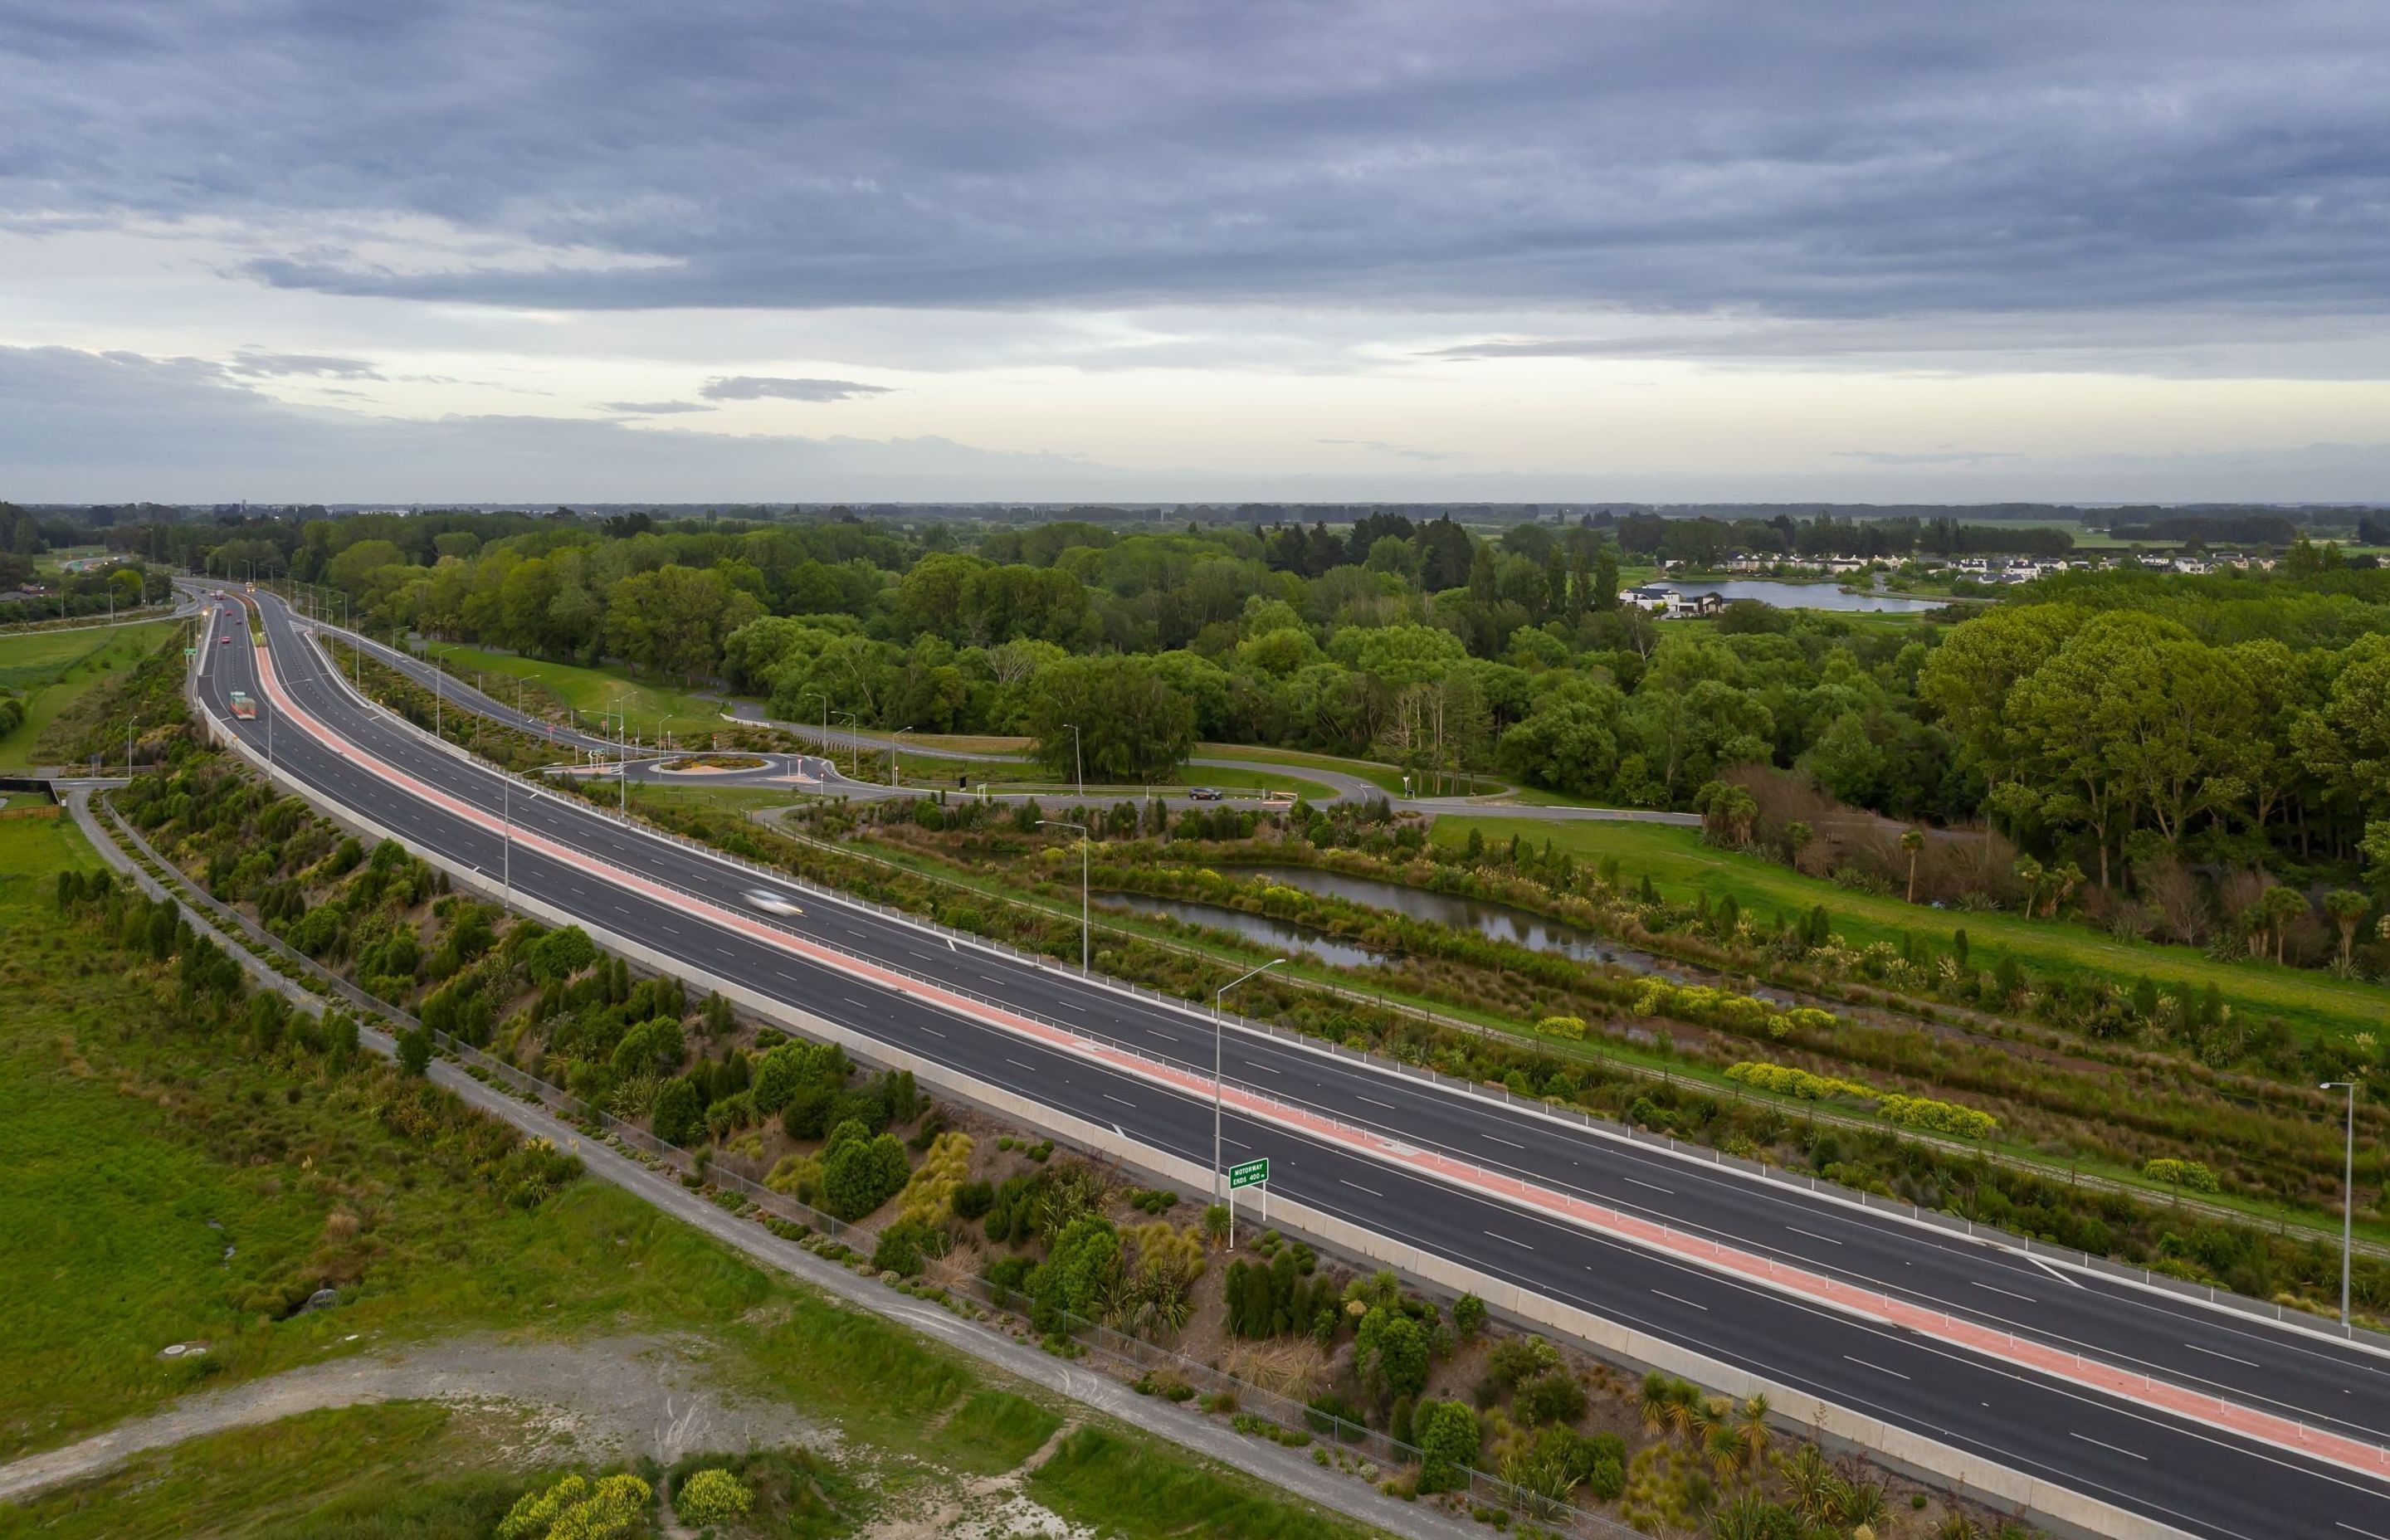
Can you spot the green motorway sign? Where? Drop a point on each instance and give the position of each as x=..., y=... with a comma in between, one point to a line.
x=1248, y=1174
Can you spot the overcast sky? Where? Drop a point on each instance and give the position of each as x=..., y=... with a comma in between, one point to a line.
x=886, y=248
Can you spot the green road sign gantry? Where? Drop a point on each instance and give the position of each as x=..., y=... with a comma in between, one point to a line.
x=1248, y=1174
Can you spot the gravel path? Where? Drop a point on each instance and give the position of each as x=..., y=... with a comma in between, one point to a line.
x=611, y=1398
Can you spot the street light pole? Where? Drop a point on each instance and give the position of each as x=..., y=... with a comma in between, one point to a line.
x=1060, y=823
x=853, y=744
x=2347, y=1197
x=829, y=750
x=507, y=850
x=1078, y=761
x=1218, y=1170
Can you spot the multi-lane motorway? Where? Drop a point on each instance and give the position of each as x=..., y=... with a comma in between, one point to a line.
x=2186, y=1472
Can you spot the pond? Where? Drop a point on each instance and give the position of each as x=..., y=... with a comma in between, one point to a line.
x=1277, y=934
x=1802, y=596
x=1493, y=921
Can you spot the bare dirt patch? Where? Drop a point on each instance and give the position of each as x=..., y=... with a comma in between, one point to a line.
x=614, y=1398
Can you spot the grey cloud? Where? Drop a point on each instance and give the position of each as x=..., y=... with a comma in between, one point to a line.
x=1861, y=158
x=254, y=363
x=655, y=408
x=763, y=387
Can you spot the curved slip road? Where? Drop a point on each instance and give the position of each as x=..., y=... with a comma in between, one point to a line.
x=1497, y=1187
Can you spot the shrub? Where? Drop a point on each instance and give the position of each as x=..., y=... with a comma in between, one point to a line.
x=1553, y=1398
x=713, y=1497
x=1468, y=1315
x=1516, y=1360
x=1084, y=1260
x=1562, y=1026
x=2193, y=1174
x=930, y=1193
x=415, y=1050
x=557, y=956
x=973, y=1200
x=859, y=1174
x=679, y=1111
x=572, y=1509
x=905, y=1247
x=1447, y=1439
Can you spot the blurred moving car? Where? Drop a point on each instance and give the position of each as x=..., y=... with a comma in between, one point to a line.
x=771, y=902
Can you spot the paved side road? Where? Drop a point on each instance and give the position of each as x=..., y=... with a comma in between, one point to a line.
x=1279, y=1467
x=1347, y=787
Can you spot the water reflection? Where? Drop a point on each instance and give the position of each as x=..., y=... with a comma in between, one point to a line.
x=1493, y=921
x=1278, y=934
x=1801, y=595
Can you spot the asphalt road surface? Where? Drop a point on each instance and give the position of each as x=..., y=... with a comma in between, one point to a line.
x=2198, y=1480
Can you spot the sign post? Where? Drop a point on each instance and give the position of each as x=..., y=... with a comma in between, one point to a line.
x=1247, y=1173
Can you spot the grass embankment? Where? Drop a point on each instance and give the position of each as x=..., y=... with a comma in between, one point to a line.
x=53, y=670
x=1680, y=865
x=165, y=1180
x=650, y=705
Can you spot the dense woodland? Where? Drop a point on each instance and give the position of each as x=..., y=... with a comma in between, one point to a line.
x=2147, y=738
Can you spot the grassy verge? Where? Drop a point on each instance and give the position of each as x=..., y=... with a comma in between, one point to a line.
x=651, y=704
x=1385, y=777
x=1681, y=866
x=54, y=671
x=168, y=1176
x=1103, y=1481
x=409, y=1471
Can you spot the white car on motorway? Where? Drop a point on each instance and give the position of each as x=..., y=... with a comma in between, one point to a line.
x=770, y=902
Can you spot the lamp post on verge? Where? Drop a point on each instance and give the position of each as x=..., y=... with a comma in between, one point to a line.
x=853, y=744
x=1078, y=761
x=2347, y=1197
x=1061, y=823
x=1217, y=1169
x=621, y=757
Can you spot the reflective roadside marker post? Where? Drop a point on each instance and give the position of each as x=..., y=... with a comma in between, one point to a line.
x=1247, y=1173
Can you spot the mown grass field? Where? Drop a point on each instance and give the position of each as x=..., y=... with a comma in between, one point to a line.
x=1681, y=866
x=154, y=1175
x=55, y=669
x=649, y=704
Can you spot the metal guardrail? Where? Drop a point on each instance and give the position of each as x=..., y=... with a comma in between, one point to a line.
x=1598, y=1126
